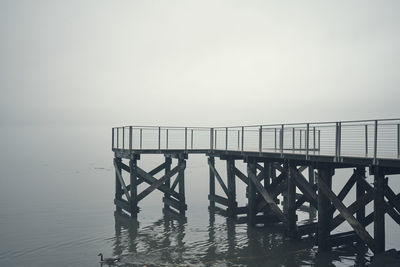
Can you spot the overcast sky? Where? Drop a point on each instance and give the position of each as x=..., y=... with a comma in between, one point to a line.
x=198, y=62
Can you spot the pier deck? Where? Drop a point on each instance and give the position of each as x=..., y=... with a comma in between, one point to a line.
x=296, y=161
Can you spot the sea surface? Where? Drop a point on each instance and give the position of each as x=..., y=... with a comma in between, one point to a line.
x=56, y=209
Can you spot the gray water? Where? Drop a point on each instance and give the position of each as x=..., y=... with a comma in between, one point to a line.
x=56, y=209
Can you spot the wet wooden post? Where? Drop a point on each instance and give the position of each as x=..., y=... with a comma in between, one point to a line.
x=232, y=204
x=181, y=177
x=267, y=174
x=272, y=175
x=291, y=201
x=379, y=210
x=118, y=186
x=324, y=213
x=285, y=192
x=251, y=167
x=360, y=192
x=311, y=180
x=211, y=161
x=267, y=180
x=133, y=188
x=168, y=162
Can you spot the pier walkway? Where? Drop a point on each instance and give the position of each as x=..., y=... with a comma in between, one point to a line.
x=296, y=161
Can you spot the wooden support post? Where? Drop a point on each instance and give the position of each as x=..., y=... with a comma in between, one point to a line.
x=133, y=188
x=181, y=176
x=272, y=172
x=285, y=192
x=379, y=210
x=211, y=161
x=168, y=162
x=251, y=169
x=324, y=213
x=232, y=204
x=360, y=192
x=291, y=201
x=267, y=174
x=311, y=180
x=118, y=187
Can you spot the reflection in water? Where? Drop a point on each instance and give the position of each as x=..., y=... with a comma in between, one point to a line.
x=226, y=242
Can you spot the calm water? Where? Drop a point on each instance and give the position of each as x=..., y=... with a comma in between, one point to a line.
x=56, y=209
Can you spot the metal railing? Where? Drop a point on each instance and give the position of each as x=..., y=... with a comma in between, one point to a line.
x=367, y=138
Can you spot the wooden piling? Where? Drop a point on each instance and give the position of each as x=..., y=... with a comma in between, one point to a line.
x=118, y=187
x=232, y=204
x=168, y=162
x=133, y=188
x=211, y=161
x=360, y=192
x=311, y=180
x=251, y=170
x=291, y=201
x=324, y=213
x=181, y=177
x=379, y=210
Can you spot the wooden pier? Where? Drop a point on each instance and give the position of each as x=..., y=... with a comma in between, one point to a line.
x=297, y=161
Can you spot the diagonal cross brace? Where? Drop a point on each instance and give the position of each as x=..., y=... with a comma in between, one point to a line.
x=158, y=183
x=358, y=228
x=121, y=180
x=267, y=197
x=219, y=179
x=240, y=175
x=151, y=180
x=305, y=187
x=274, y=193
x=363, y=201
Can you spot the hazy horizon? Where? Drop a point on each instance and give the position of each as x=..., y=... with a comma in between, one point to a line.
x=197, y=63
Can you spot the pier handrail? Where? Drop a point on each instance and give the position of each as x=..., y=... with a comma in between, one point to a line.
x=364, y=138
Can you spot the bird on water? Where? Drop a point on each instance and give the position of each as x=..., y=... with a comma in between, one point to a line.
x=108, y=260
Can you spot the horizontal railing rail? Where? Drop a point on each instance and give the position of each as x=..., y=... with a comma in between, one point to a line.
x=366, y=138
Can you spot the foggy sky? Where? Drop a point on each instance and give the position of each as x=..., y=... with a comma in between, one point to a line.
x=198, y=62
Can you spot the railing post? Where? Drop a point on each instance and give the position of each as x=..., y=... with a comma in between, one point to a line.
x=319, y=140
x=191, y=138
x=307, y=139
x=166, y=137
x=366, y=140
x=238, y=139
x=118, y=137
x=260, y=139
x=398, y=140
x=211, y=138
x=293, y=140
x=338, y=140
x=215, y=138
x=242, y=138
x=123, y=137
x=112, y=136
x=314, y=138
x=130, y=138
x=226, y=138
x=275, y=137
x=185, y=138
x=281, y=137
x=375, y=141
x=141, y=137
x=159, y=138
x=301, y=137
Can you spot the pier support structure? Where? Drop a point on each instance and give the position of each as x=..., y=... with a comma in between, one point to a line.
x=127, y=197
